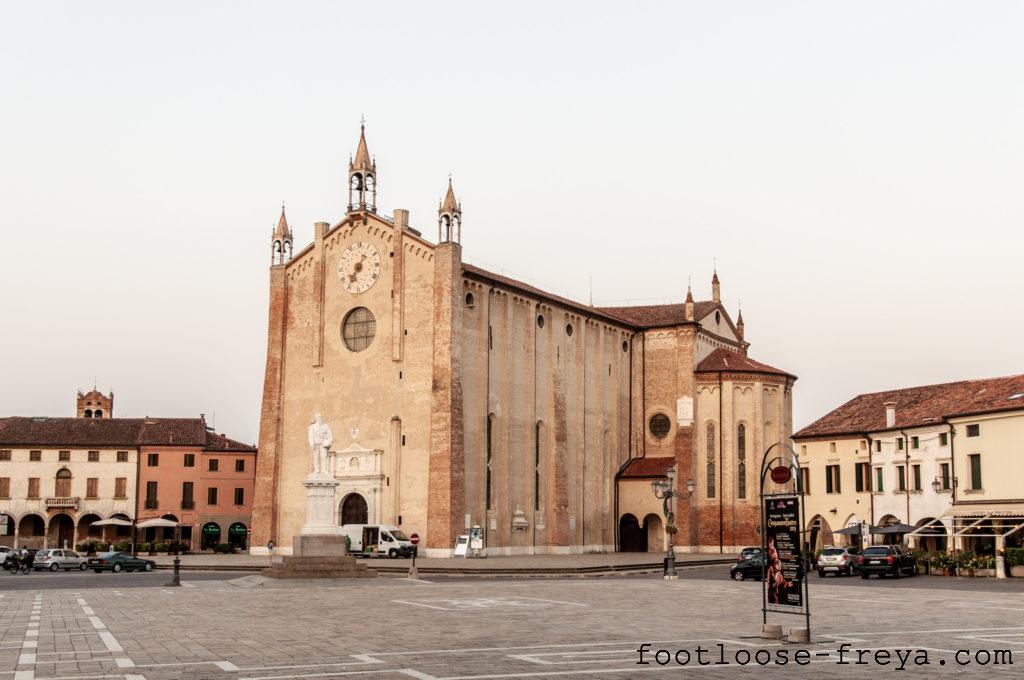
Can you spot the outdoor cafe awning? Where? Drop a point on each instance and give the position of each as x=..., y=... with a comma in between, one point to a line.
x=112, y=522
x=849, y=531
x=156, y=522
x=995, y=520
x=893, y=529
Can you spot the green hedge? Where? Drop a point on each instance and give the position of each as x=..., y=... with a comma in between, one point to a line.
x=1015, y=557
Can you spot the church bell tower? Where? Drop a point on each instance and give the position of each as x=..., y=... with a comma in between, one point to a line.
x=281, y=241
x=449, y=218
x=362, y=178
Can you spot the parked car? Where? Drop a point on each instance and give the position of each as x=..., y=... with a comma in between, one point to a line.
x=119, y=561
x=894, y=560
x=55, y=560
x=750, y=568
x=839, y=561
x=748, y=553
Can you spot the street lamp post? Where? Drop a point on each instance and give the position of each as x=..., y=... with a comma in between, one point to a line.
x=665, y=489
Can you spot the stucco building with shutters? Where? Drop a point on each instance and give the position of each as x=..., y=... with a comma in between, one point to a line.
x=59, y=475
x=478, y=399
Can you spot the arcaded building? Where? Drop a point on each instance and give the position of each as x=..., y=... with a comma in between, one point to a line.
x=458, y=397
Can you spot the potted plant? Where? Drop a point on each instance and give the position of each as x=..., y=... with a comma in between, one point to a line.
x=966, y=563
x=985, y=565
x=1015, y=561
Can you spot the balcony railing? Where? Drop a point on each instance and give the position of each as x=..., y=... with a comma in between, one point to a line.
x=188, y=505
x=62, y=502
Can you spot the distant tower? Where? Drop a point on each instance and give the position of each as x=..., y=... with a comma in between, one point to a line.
x=739, y=325
x=94, y=404
x=362, y=178
x=281, y=241
x=716, y=289
x=688, y=306
x=449, y=218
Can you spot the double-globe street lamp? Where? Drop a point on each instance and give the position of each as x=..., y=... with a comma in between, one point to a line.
x=665, y=489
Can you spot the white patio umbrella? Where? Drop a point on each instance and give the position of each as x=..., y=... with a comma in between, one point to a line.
x=112, y=522
x=156, y=522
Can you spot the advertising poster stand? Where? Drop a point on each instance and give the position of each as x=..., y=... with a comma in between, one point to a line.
x=784, y=587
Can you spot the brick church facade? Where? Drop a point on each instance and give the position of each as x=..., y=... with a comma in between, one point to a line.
x=459, y=397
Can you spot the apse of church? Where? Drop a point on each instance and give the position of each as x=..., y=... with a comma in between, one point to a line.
x=459, y=397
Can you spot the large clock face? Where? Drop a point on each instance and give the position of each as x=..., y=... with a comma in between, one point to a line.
x=359, y=267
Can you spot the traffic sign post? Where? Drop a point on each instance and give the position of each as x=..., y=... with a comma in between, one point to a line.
x=415, y=540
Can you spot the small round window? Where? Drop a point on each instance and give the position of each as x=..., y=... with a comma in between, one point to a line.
x=659, y=425
x=625, y=346
x=358, y=329
x=470, y=300
x=718, y=317
x=540, y=321
x=568, y=329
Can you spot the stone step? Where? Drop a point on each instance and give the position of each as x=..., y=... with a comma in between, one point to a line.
x=323, y=573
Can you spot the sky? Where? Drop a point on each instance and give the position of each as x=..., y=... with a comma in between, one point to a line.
x=854, y=169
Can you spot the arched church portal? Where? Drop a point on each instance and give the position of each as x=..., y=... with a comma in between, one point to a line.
x=354, y=510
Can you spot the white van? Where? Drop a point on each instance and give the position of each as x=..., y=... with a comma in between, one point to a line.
x=378, y=540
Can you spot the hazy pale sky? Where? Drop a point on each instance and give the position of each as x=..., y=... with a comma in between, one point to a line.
x=855, y=168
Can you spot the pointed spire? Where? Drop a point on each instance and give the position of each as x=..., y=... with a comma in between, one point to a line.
x=282, y=224
x=362, y=160
x=689, y=302
x=450, y=204
x=716, y=288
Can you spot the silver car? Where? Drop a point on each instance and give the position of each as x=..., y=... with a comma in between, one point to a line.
x=838, y=561
x=55, y=560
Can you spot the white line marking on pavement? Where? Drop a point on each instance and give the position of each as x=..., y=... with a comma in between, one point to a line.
x=420, y=604
x=366, y=658
x=225, y=665
x=110, y=641
x=124, y=662
x=96, y=623
x=538, y=599
x=416, y=674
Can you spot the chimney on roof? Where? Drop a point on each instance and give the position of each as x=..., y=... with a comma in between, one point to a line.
x=890, y=414
x=401, y=219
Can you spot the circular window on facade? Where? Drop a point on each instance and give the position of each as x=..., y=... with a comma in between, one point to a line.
x=659, y=425
x=625, y=346
x=568, y=329
x=540, y=321
x=358, y=329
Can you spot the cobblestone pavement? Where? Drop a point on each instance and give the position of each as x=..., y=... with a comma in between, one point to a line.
x=396, y=628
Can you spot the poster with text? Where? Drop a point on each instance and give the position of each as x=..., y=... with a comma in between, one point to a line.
x=784, y=571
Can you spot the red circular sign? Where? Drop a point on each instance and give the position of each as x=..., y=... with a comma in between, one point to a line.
x=781, y=474
x=414, y=539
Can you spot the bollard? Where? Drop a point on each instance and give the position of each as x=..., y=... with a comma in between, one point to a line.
x=799, y=635
x=771, y=631
x=176, y=579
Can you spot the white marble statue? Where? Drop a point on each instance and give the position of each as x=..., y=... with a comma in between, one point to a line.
x=320, y=440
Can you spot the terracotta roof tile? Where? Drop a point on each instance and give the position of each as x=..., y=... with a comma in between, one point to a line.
x=113, y=433
x=652, y=316
x=726, y=360
x=643, y=468
x=916, y=406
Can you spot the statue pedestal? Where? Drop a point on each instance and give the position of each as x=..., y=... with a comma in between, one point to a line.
x=321, y=536
x=320, y=508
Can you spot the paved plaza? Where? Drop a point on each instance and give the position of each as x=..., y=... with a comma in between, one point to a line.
x=229, y=628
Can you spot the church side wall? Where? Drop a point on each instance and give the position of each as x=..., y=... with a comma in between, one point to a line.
x=571, y=390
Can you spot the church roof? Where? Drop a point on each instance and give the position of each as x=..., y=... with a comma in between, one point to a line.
x=113, y=432
x=646, y=468
x=918, y=406
x=729, y=361
x=652, y=316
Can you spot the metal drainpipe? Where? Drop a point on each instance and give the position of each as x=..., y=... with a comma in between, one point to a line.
x=870, y=487
x=952, y=461
x=906, y=469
